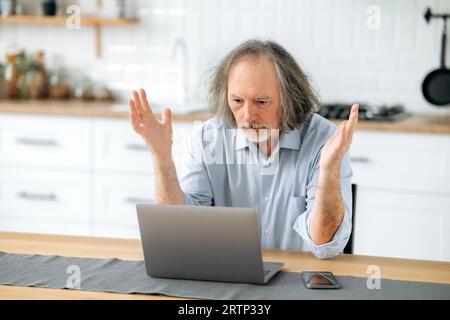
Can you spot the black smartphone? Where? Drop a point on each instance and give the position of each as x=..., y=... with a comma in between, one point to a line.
x=320, y=280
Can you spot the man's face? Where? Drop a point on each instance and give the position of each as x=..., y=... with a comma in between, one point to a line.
x=254, y=97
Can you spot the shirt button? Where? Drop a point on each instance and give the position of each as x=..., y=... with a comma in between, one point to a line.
x=266, y=231
x=266, y=198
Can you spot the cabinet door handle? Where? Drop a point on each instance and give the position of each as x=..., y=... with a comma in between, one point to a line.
x=134, y=200
x=37, y=142
x=136, y=147
x=360, y=159
x=37, y=196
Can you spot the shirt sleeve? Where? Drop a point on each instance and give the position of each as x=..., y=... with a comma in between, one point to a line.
x=193, y=178
x=302, y=225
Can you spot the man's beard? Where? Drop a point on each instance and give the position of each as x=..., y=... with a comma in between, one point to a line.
x=255, y=132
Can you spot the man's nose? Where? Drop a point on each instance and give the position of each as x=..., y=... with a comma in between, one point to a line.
x=250, y=113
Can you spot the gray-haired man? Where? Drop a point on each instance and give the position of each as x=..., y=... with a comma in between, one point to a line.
x=296, y=170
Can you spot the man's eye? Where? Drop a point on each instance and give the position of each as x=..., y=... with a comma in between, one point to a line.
x=237, y=100
x=261, y=102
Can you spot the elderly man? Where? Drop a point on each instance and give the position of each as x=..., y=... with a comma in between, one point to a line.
x=290, y=164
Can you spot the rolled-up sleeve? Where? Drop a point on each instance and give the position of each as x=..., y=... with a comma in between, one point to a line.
x=302, y=225
x=193, y=178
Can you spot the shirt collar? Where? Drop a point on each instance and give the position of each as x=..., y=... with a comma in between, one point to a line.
x=291, y=139
x=288, y=140
x=241, y=140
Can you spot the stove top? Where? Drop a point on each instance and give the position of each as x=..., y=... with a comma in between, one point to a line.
x=366, y=112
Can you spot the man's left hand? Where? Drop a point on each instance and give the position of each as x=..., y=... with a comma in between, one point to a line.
x=336, y=146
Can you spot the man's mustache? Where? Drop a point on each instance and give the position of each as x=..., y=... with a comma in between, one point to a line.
x=253, y=126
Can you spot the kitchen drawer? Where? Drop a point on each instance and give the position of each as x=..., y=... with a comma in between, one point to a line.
x=44, y=140
x=118, y=147
x=116, y=196
x=45, y=200
x=401, y=161
x=401, y=225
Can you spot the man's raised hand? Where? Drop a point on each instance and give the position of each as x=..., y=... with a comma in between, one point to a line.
x=339, y=142
x=156, y=135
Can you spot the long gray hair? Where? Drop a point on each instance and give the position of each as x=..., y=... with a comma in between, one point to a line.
x=298, y=99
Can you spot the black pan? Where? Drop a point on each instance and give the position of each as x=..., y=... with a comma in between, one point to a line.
x=436, y=85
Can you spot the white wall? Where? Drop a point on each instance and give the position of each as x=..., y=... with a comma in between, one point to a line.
x=346, y=60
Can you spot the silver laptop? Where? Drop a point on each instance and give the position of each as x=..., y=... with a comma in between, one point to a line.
x=203, y=243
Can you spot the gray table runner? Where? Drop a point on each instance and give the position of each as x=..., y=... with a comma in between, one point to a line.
x=122, y=276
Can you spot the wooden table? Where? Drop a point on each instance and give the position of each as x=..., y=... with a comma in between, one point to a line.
x=355, y=265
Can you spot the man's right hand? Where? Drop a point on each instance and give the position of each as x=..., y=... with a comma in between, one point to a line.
x=157, y=136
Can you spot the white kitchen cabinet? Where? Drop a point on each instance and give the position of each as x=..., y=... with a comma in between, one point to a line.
x=52, y=141
x=45, y=174
x=76, y=175
x=403, y=194
x=401, y=224
x=117, y=147
x=445, y=236
x=405, y=161
x=123, y=175
x=115, y=199
x=45, y=201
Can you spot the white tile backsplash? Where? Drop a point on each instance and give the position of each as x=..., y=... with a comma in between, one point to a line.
x=330, y=39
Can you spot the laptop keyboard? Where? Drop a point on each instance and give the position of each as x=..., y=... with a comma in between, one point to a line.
x=266, y=272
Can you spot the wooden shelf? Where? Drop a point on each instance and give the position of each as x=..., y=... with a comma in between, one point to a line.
x=95, y=22
x=61, y=20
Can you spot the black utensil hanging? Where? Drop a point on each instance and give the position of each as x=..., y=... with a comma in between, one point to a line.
x=436, y=85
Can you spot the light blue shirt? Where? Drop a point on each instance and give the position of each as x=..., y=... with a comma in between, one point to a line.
x=223, y=168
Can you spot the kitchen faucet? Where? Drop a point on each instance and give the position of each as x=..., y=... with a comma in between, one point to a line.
x=179, y=44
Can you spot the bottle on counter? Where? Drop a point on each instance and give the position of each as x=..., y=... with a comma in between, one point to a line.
x=104, y=94
x=26, y=67
x=11, y=75
x=85, y=90
x=59, y=86
x=60, y=82
x=39, y=87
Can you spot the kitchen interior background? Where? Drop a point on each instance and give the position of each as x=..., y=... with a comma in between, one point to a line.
x=91, y=185
x=345, y=59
